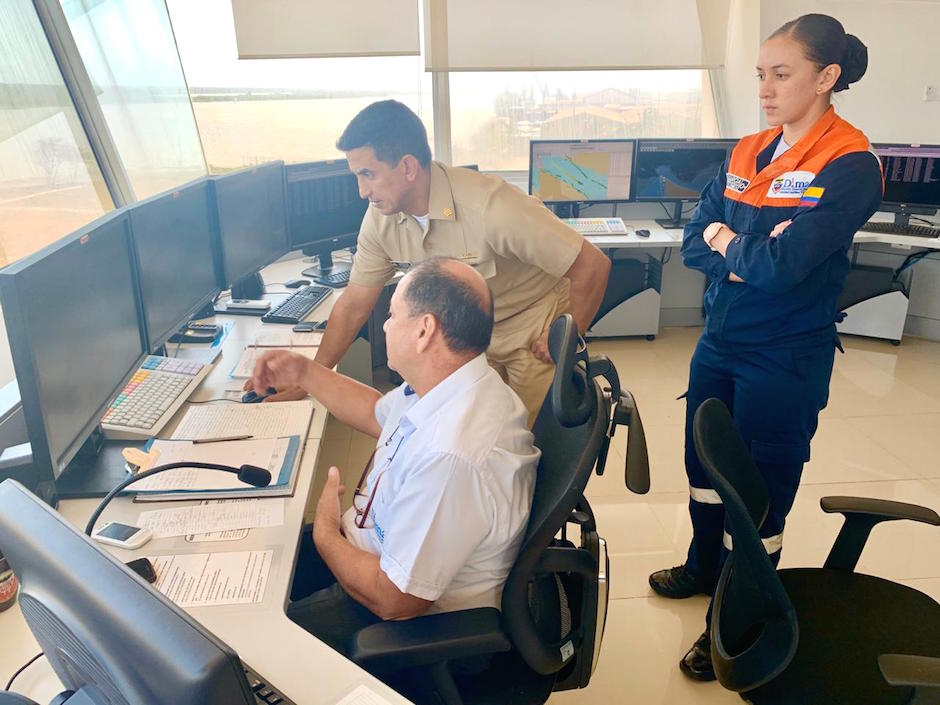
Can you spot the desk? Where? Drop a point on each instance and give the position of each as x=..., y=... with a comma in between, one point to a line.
x=633, y=298
x=295, y=662
x=875, y=305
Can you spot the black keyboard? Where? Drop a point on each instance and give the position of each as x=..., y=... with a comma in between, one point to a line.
x=336, y=279
x=888, y=227
x=296, y=307
x=265, y=694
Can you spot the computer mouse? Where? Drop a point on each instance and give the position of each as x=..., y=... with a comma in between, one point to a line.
x=295, y=283
x=642, y=232
x=251, y=397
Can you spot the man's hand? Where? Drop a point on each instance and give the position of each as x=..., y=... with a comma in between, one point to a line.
x=540, y=349
x=289, y=393
x=780, y=227
x=327, y=520
x=732, y=277
x=280, y=369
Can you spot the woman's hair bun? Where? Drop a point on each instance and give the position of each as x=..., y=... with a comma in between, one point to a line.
x=854, y=63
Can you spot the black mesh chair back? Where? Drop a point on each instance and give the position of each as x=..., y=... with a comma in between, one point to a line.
x=569, y=431
x=754, y=627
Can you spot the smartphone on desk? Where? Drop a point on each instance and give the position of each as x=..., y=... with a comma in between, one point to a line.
x=114, y=533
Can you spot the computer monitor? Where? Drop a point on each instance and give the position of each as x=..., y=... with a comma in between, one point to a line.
x=73, y=321
x=677, y=171
x=912, y=179
x=174, y=236
x=107, y=634
x=252, y=218
x=324, y=210
x=571, y=173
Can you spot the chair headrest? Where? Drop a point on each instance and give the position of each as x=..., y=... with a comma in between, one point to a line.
x=571, y=403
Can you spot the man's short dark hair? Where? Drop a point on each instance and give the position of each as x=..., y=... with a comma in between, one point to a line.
x=466, y=320
x=391, y=129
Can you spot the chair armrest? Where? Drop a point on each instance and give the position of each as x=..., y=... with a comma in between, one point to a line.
x=393, y=646
x=919, y=672
x=861, y=515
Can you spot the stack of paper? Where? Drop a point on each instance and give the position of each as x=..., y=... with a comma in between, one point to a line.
x=280, y=456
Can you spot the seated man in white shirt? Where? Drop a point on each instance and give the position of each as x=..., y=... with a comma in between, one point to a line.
x=438, y=522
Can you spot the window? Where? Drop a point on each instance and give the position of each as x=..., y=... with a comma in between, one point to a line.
x=494, y=115
x=49, y=181
x=128, y=50
x=251, y=111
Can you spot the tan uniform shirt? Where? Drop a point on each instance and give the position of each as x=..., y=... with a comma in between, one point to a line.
x=515, y=242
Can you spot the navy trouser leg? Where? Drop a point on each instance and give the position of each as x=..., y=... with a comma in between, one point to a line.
x=774, y=397
x=709, y=376
x=778, y=395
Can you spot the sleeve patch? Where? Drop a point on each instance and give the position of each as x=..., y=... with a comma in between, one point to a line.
x=811, y=196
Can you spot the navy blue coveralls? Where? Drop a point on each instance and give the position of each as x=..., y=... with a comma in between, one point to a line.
x=768, y=345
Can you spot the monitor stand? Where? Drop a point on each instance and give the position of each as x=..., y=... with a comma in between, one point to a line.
x=250, y=287
x=567, y=210
x=325, y=267
x=676, y=221
x=96, y=469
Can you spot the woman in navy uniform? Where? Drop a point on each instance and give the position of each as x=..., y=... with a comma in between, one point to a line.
x=772, y=234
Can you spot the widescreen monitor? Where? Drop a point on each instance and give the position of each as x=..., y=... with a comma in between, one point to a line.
x=107, y=634
x=174, y=238
x=912, y=178
x=677, y=171
x=73, y=321
x=577, y=172
x=324, y=207
x=252, y=216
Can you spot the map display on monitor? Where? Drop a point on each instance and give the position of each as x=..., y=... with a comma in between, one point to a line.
x=581, y=171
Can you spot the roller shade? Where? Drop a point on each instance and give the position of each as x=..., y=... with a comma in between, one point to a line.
x=558, y=35
x=266, y=29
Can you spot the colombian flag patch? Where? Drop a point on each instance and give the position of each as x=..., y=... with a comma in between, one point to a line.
x=811, y=196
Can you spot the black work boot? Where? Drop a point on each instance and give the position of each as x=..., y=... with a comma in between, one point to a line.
x=697, y=663
x=677, y=583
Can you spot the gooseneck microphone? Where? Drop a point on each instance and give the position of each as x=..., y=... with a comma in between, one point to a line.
x=249, y=474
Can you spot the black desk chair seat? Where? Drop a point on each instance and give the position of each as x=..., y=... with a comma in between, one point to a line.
x=548, y=633
x=847, y=620
x=812, y=635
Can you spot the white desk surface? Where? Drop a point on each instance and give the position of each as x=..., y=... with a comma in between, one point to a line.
x=295, y=662
x=672, y=237
x=659, y=237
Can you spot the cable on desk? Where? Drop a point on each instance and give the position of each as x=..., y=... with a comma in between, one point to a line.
x=925, y=221
x=21, y=669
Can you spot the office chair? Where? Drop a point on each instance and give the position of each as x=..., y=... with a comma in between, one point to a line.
x=811, y=635
x=547, y=636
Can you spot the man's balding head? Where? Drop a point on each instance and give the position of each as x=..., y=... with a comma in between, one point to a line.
x=457, y=296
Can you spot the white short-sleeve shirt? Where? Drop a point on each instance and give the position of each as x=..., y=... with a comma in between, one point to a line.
x=453, y=478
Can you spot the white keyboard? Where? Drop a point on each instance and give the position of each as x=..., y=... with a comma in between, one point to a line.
x=597, y=226
x=156, y=390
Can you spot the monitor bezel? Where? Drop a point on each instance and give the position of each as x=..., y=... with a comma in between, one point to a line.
x=623, y=140
x=901, y=205
x=45, y=467
x=705, y=141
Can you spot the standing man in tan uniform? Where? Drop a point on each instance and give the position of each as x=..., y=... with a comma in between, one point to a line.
x=536, y=266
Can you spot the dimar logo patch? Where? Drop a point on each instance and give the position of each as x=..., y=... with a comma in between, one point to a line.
x=791, y=184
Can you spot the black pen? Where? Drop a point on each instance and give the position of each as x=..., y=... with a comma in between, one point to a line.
x=240, y=437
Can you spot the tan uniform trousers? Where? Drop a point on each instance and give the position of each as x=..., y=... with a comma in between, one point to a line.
x=510, y=352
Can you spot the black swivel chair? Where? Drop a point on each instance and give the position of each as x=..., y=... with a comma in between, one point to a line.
x=811, y=635
x=548, y=634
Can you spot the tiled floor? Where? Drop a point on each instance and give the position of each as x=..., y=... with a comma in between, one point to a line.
x=878, y=438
